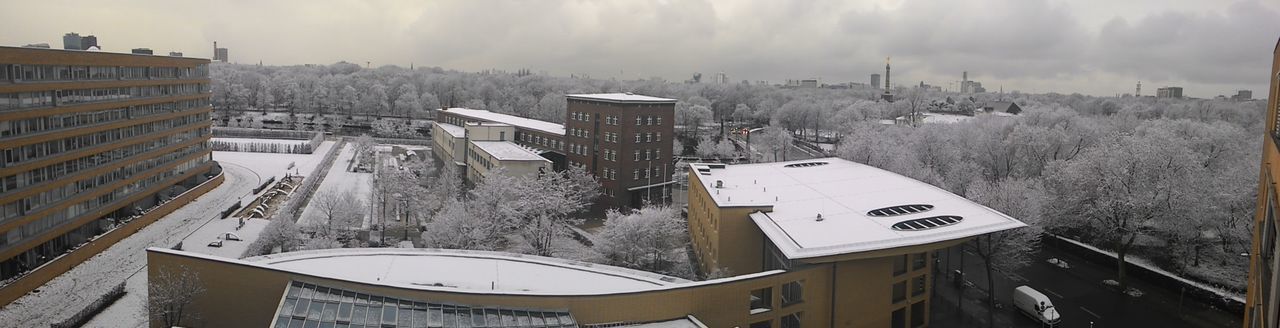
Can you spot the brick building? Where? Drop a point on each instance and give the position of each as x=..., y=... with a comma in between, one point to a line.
x=625, y=140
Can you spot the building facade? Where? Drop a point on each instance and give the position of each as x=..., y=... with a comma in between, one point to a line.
x=625, y=140
x=71, y=41
x=1169, y=92
x=88, y=140
x=1260, y=302
x=875, y=81
x=866, y=235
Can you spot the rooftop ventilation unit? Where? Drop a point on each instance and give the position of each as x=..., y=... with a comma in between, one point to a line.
x=899, y=210
x=719, y=184
x=805, y=164
x=927, y=223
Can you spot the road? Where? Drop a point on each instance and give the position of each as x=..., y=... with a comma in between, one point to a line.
x=1077, y=293
x=70, y=292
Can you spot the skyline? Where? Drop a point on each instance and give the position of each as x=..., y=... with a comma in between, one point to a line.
x=1090, y=47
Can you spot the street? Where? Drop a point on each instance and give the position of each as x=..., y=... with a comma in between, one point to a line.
x=1077, y=293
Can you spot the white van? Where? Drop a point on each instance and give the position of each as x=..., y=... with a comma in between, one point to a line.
x=1035, y=305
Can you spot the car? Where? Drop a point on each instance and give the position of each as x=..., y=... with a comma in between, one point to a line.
x=215, y=243
x=1035, y=305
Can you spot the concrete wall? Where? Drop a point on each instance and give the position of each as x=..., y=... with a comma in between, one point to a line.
x=490, y=132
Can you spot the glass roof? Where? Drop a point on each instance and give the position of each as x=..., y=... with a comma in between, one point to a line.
x=311, y=306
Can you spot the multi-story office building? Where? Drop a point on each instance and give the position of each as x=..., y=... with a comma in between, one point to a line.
x=1169, y=92
x=1261, y=308
x=814, y=243
x=90, y=137
x=219, y=54
x=875, y=81
x=1243, y=95
x=71, y=41
x=143, y=51
x=625, y=140
x=88, y=41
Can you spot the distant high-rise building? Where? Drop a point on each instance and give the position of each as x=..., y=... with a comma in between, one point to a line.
x=875, y=81
x=219, y=54
x=142, y=51
x=971, y=87
x=88, y=41
x=71, y=41
x=37, y=45
x=1243, y=95
x=722, y=78
x=1169, y=92
x=1138, y=91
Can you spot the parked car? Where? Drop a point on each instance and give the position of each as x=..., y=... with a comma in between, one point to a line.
x=1035, y=305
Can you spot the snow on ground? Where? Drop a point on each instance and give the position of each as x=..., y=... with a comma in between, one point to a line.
x=263, y=141
x=129, y=311
x=339, y=180
x=827, y=146
x=267, y=165
x=215, y=230
x=72, y=291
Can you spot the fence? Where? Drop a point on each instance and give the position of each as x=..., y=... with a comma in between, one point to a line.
x=313, y=140
x=302, y=194
x=86, y=314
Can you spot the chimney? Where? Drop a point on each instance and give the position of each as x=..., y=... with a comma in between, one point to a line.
x=719, y=184
x=820, y=217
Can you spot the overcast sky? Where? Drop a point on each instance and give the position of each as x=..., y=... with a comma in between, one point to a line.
x=1098, y=47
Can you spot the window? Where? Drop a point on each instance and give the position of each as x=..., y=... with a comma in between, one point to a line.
x=659, y=120
x=761, y=300
x=791, y=320
x=637, y=138
x=635, y=174
x=899, y=292
x=899, y=210
x=899, y=265
x=657, y=137
x=792, y=293
x=918, y=260
x=648, y=137
x=637, y=155
x=761, y=324
x=637, y=120
x=927, y=223
x=918, y=285
x=502, y=135
x=899, y=318
x=917, y=314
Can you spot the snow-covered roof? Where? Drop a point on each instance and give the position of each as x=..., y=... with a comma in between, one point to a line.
x=621, y=98
x=466, y=270
x=844, y=193
x=527, y=123
x=508, y=151
x=452, y=130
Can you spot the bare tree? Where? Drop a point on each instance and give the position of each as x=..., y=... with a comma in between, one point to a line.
x=170, y=292
x=341, y=211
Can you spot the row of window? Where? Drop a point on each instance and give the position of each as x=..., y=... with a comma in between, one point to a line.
x=475, y=157
x=56, y=195
x=655, y=172
x=613, y=120
x=918, y=312
x=307, y=305
x=58, y=170
x=37, y=99
x=50, y=220
x=80, y=119
x=918, y=262
x=37, y=151
x=537, y=140
x=63, y=73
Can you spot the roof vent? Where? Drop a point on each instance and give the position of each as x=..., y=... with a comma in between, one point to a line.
x=805, y=164
x=820, y=217
x=630, y=94
x=899, y=210
x=927, y=223
x=719, y=184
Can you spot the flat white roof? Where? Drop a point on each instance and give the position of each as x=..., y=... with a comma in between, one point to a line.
x=508, y=151
x=528, y=123
x=453, y=130
x=466, y=270
x=620, y=98
x=844, y=193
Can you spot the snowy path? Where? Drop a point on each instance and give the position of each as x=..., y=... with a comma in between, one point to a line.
x=339, y=179
x=69, y=293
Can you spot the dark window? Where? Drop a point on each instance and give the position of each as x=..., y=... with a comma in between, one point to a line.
x=899, y=265
x=899, y=210
x=792, y=320
x=917, y=314
x=900, y=318
x=761, y=300
x=918, y=260
x=918, y=285
x=762, y=324
x=792, y=293
x=899, y=292
x=927, y=223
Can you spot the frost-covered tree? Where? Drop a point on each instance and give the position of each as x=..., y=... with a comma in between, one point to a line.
x=280, y=233
x=170, y=293
x=706, y=148
x=1009, y=250
x=1127, y=186
x=341, y=213
x=773, y=141
x=692, y=117
x=407, y=103
x=652, y=238
x=677, y=147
